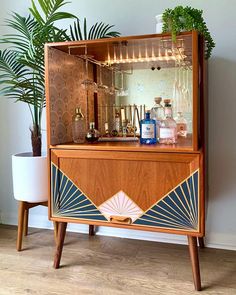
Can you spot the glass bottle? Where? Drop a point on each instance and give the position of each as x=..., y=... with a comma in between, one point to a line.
x=148, y=130
x=92, y=134
x=78, y=126
x=168, y=126
x=117, y=121
x=157, y=113
x=181, y=125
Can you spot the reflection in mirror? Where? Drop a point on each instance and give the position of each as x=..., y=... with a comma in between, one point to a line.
x=143, y=85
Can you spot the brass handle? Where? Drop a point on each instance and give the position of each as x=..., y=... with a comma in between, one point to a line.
x=120, y=219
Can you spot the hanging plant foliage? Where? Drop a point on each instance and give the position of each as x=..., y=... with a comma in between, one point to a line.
x=187, y=19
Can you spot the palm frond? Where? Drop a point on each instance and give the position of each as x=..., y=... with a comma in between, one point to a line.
x=9, y=66
x=24, y=29
x=75, y=31
x=50, y=9
x=97, y=31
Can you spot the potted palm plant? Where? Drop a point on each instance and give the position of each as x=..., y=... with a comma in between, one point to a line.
x=22, y=79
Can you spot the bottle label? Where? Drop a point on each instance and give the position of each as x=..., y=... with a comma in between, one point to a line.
x=181, y=127
x=148, y=131
x=168, y=111
x=167, y=132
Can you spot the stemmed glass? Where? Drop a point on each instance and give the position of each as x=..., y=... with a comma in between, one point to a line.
x=88, y=83
x=187, y=91
x=112, y=89
x=100, y=85
x=122, y=91
x=177, y=88
x=183, y=88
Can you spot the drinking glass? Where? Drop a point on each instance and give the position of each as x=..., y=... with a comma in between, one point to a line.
x=122, y=91
x=88, y=83
x=101, y=86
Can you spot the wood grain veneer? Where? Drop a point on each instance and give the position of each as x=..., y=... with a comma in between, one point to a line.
x=145, y=182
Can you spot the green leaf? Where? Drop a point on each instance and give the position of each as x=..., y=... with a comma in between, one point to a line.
x=97, y=31
x=187, y=18
x=85, y=29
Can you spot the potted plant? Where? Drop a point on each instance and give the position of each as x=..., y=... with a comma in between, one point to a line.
x=186, y=19
x=22, y=79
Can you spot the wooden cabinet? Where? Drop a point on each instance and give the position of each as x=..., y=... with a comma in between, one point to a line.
x=124, y=184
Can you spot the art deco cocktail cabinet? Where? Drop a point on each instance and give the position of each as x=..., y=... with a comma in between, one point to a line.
x=116, y=181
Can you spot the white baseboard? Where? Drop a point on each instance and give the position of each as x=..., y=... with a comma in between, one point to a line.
x=226, y=242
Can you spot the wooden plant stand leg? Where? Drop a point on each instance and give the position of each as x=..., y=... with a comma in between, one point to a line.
x=23, y=217
x=21, y=212
x=193, y=251
x=55, y=225
x=26, y=221
x=92, y=230
x=201, y=243
x=60, y=242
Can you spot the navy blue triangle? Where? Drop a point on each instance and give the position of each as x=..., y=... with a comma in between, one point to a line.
x=69, y=201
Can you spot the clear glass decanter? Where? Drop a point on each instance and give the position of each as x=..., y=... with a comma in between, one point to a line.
x=157, y=114
x=181, y=125
x=168, y=126
x=78, y=126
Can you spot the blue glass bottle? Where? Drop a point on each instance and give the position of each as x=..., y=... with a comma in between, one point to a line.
x=148, y=130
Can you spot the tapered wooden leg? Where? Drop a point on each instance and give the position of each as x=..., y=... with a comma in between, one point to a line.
x=60, y=242
x=193, y=251
x=201, y=242
x=21, y=211
x=91, y=230
x=26, y=219
x=55, y=225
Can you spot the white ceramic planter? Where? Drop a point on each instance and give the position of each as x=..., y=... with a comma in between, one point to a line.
x=159, y=23
x=30, y=178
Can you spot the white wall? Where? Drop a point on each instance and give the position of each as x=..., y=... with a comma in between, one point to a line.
x=137, y=17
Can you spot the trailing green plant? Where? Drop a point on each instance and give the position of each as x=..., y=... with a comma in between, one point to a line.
x=22, y=63
x=186, y=19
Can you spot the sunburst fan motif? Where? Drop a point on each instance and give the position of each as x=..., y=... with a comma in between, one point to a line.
x=120, y=205
x=178, y=209
x=69, y=201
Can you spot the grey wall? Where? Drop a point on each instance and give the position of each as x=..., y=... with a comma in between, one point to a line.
x=138, y=17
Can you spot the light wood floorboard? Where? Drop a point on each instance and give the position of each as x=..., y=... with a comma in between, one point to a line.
x=108, y=266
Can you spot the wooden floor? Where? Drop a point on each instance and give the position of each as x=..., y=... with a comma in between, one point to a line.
x=108, y=266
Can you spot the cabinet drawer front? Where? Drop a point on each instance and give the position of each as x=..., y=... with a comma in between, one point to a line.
x=158, y=194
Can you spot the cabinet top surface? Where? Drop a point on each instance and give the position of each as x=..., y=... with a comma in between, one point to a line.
x=141, y=45
x=183, y=146
x=183, y=35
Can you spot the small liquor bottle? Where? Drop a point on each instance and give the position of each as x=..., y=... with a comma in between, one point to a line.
x=92, y=134
x=78, y=126
x=157, y=113
x=117, y=121
x=181, y=125
x=148, y=130
x=168, y=127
